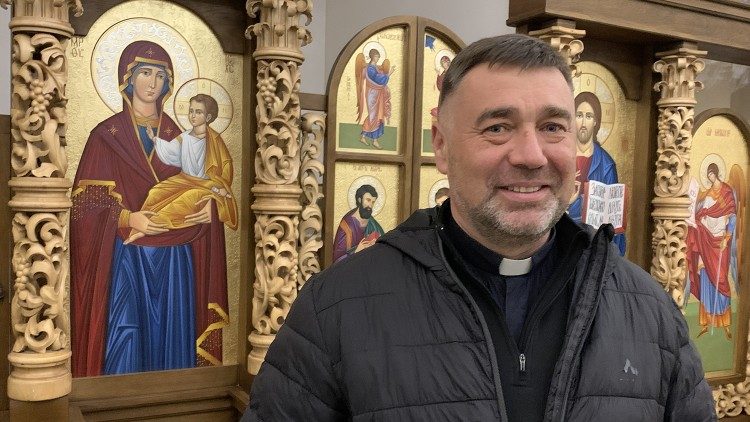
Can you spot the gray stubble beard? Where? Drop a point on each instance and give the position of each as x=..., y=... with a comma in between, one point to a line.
x=493, y=223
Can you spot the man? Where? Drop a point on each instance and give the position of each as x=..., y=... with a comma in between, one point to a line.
x=592, y=161
x=498, y=306
x=358, y=229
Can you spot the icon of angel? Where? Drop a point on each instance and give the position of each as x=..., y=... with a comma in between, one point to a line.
x=373, y=96
x=714, y=242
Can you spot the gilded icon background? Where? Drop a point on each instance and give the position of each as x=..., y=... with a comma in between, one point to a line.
x=433, y=187
x=605, y=136
x=189, y=58
x=437, y=58
x=715, y=240
x=370, y=97
x=366, y=205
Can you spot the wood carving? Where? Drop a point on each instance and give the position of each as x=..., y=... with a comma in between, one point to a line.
x=566, y=41
x=40, y=199
x=733, y=399
x=311, y=226
x=679, y=68
x=279, y=38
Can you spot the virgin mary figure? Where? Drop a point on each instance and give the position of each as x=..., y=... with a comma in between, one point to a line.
x=160, y=302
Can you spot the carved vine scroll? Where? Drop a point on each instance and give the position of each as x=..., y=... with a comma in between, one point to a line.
x=40, y=200
x=311, y=173
x=279, y=38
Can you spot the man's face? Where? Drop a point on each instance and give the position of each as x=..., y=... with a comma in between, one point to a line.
x=148, y=83
x=505, y=140
x=585, y=122
x=366, y=204
x=197, y=113
x=374, y=57
x=712, y=176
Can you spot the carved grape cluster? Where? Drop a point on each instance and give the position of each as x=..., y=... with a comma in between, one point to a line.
x=267, y=89
x=40, y=100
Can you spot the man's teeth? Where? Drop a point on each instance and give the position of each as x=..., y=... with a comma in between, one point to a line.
x=523, y=189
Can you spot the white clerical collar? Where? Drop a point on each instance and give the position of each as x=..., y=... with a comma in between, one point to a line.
x=513, y=267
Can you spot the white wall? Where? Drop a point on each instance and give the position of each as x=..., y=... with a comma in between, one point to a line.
x=342, y=19
x=5, y=60
x=314, y=69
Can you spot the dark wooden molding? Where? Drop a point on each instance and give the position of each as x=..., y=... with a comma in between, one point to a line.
x=623, y=60
x=157, y=382
x=241, y=398
x=723, y=9
x=226, y=18
x=648, y=22
x=187, y=393
x=741, y=123
x=6, y=280
x=316, y=102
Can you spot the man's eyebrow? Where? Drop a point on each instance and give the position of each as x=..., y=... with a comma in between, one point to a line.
x=496, y=113
x=555, y=112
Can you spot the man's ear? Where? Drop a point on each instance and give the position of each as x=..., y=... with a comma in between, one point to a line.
x=440, y=147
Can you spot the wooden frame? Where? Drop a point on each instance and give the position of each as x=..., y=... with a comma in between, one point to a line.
x=6, y=278
x=408, y=158
x=741, y=363
x=649, y=22
x=216, y=392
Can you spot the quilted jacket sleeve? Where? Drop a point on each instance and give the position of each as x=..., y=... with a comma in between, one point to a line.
x=690, y=397
x=296, y=381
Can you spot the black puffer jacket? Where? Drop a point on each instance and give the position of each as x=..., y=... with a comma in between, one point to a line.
x=390, y=334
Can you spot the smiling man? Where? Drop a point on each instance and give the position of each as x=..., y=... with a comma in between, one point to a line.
x=495, y=305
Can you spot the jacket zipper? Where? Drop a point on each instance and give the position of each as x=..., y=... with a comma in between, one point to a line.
x=485, y=330
x=588, y=324
x=528, y=329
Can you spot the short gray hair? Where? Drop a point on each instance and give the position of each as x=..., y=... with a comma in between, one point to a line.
x=516, y=50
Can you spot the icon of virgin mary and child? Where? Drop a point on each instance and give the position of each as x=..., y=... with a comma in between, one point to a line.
x=148, y=262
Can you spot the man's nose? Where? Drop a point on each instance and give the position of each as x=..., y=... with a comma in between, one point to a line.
x=526, y=149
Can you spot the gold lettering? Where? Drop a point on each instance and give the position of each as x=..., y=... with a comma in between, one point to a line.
x=722, y=132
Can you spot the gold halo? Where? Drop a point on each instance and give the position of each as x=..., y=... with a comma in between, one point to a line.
x=377, y=46
x=372, y=181
x=440, y=54
x=606, y=98
x=109, y=47
x=442, y=183
x=181, y=102
x=712, y=158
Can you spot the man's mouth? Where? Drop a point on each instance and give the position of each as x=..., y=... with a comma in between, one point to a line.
x=522, y=189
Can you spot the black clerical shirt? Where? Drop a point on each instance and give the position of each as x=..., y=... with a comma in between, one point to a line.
x=535, y=306
x=515, y=295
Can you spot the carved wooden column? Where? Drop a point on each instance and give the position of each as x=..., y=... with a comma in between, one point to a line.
x=679, y=68
x=562, y=35
x=40, y=200
x=279, y=38
x=311, y=226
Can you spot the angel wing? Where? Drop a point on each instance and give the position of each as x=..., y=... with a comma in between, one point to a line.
x=386, y=66
x=359, y=68
x=737, y=182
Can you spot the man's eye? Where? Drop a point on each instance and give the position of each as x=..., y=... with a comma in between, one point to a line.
x=553, y=128
x=496, y=129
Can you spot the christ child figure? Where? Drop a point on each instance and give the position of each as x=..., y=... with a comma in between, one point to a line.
x=181, y=200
